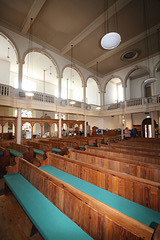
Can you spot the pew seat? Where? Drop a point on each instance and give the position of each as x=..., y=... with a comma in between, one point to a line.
x=46, y=217
x=140, y=213
x=15, y=153
x=38, y=151
x=56, y=150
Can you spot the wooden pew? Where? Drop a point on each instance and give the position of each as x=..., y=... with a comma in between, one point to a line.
x=132, y=149
x=21, y=150
x=46, y=218
x=99, y=220
x=142, y=191
x=4, y=160
x=123, y=155
x=58, y=147
x=143, y=170
x=39, y=149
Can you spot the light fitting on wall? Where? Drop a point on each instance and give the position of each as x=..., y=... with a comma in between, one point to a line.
x=148, y=49
x=111, y=39
x=72, y=102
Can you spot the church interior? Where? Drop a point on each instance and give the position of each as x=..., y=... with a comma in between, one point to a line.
x=80, y=119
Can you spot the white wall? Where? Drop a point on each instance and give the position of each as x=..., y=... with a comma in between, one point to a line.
x=111, y=93
x=4, y=72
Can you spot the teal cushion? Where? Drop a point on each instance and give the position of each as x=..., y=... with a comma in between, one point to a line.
x=132, y=209
x=80, y=146
x=90, y=145
x=70, y=147
x=38, y=151
x=47, y=218
x=1, y=154
x=15, y=153
x=56, y=150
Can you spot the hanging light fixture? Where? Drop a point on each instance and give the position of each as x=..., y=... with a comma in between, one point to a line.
x=111, y=39
x=150, y=79
x=29, y=93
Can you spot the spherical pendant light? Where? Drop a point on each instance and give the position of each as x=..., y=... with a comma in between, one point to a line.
x=110, y=40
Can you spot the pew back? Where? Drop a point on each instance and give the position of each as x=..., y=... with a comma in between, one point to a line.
x=97, y=219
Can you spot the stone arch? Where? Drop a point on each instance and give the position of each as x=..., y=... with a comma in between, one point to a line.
x=44, y=53
x=13, y=44
x=76, y=69
x=110, y=78
x=134, y=69
x=96, y=80
x=155, y=68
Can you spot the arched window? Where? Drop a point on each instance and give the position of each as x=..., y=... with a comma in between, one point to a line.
x=72, y=85
x=26, y=131
x=8, y=62
x=39, y=74
x=113, y=91
x=92, y=92
x=36, y=130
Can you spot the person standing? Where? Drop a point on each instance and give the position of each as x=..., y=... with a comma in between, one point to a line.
x=127, y=133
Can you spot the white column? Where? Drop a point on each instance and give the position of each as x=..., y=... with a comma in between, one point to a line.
x=19, y=125
x=20, y=71
x=59, y=87
x=85, y=130
x=124, y=93
x=153, y=127
x=84, y=93
x=60, y=132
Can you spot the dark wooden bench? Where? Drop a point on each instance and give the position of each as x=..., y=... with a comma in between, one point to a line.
x=39, y=149
x=98, y=219
x=18, y=150
x=4, y=160
x=58, y=147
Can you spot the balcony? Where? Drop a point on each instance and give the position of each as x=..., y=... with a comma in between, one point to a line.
x=12, y=97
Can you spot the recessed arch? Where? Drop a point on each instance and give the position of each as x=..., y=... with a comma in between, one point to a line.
x=72, y=83
x=93, y=91
x=134, y=69
x=40, y=72
x=113, y=91
x=76, y=69
x=44, y=53
x=9, y=61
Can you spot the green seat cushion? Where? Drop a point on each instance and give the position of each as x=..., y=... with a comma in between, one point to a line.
x=38, y=151
x=56, y=150
x=70, y=147
x=132, y=209
x=81, y=146
x=90, y=145
x=48, y=219
x=1, y=154
x=15, y=153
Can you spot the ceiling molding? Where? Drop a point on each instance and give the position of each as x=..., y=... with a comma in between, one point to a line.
x=95, y=24
x=35, y=9
x=123, y=46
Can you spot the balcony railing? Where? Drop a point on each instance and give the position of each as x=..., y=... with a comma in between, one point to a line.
x=8, y=91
